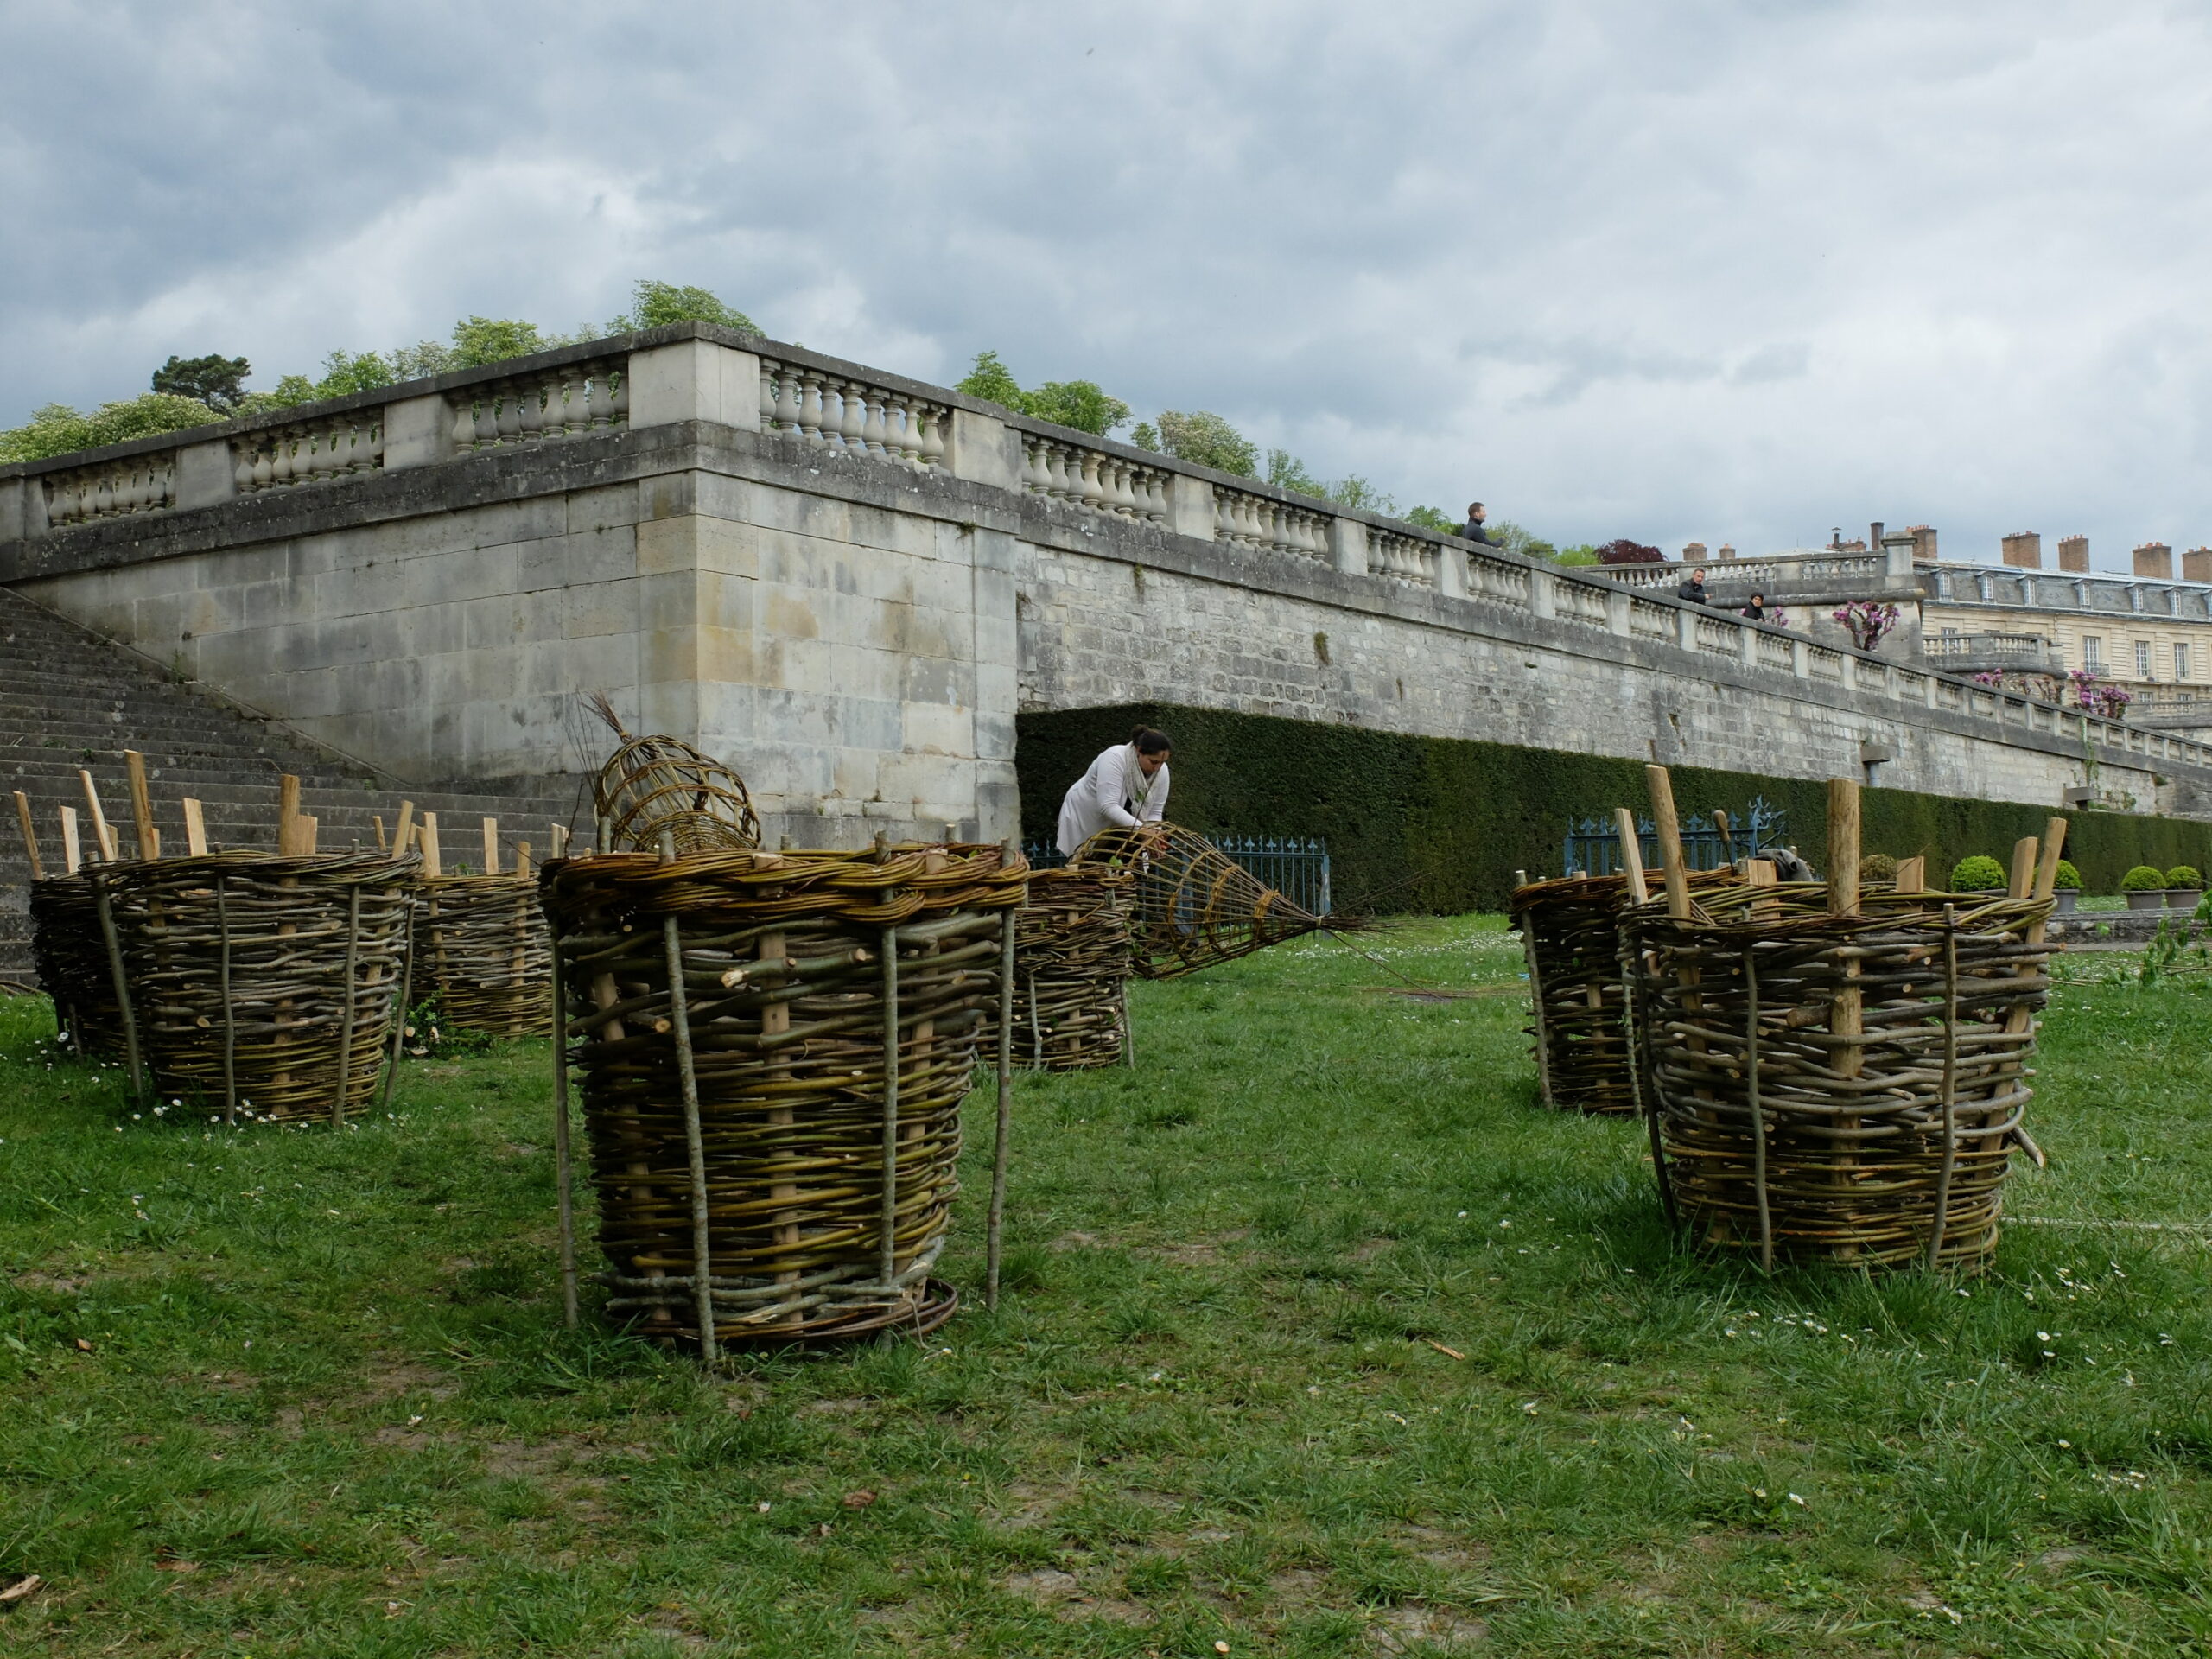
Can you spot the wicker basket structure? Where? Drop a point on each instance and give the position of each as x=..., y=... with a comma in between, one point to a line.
x=1071, y=969
x=657, y=785
x=730, y=1016
x=1843, y=1089
x=267, y=986
x=1570, y=931
x=70, y=957
x=1191, y=905
x=481, y=944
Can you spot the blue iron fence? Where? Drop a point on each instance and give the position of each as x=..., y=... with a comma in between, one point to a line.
x=1295, y=867
x=1593, y=845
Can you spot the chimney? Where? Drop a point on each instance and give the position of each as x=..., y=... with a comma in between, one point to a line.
x=1727, y=551
x=2197, y=564
x=1695, y=552
x=2024, y=549
x=2155, y=559
x=2074, y=554
x=1923, y=542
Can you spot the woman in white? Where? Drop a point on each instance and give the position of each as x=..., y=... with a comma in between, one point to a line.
x=1126, y=787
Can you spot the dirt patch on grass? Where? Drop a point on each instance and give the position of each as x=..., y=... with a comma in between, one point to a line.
x=1396, y=1629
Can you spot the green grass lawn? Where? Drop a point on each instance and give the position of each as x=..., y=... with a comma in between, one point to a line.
x=1321, y=1338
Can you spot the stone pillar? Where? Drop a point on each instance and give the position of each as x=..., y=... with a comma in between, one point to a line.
x=1452, y=570
x=1543, y=594
x=1727, y=551
x=1694, y=553
x=1800, y=659
x=1348, y=546
x=12, y=491
x=2024, y=549
x=204, y=474
x=1190, y=512
x=2197, y=564
x=985, y=449
x=694, y=380
x=417, y=431
x=2155, y=560
x=2074, y=554
x=1616, y=612
x=1897, y=554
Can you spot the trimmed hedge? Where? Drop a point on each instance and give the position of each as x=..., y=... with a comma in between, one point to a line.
x=1435, y=823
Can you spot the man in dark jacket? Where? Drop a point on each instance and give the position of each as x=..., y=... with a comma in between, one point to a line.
x=1473, y=531
x=1693, y=591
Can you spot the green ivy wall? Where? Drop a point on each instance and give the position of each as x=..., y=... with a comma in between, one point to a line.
x=1440, y=824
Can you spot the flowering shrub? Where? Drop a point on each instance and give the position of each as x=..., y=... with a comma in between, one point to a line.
x=1624, y=551
x=1990, y=676
x=1867, y=621
x=2098, y=695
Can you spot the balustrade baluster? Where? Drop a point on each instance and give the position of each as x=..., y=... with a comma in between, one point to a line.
x=767, y=404
x=618, y=405
x=810, y=401
x=264, y=461
x=1095, y=495
x=1032, y=468
x=932, y=421
x=510, y=411
x=530, y=417
x=284, y=465
x=876, y=428
x=854, y=428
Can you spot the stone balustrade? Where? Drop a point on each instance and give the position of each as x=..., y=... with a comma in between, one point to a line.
x=785, y=391
x=1783, y=573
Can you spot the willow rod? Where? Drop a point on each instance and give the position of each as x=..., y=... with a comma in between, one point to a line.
x=1005, y=1121
x=563, y=1196
x=121, y=988
x=346, y=1017
x=1950, y=1089
x=887, y=1237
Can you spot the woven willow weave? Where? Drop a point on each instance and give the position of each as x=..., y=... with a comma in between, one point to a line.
x=1072, y=968
x=657, y=785
x=1570, y=931
x=1191, y=905
x=70, y=957
x=789, y=965
x=481, y=944
x=264, y=987
x=1779, y=1135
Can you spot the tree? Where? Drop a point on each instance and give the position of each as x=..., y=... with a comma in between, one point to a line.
x=1206, y=440
x=1623, y=551
x=1079, y=404
x=992, y=382
x=1433, y=519
x=1287, y=472
x=1513, y=539
x=479, y=340
x=1356, y=492
x=654, y=305
x=58, y=429
x=217, y=382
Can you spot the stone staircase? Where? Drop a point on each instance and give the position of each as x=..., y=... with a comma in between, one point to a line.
x=71, y=699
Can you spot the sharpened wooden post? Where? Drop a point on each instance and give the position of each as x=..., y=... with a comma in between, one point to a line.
x=695, y=1138
x=141, y=806
x=403, y=831
x=72, y=855
x=1670, y=842
x=560, y=841
x=1004, y=1126
x=491, y=845
x=31, y=836
x=563, y=1158
x=195, y=828
x=1912, y=874
x=1846, y=1009
x=2023, y=873
x=428, y=835
x=103, y=837
x=288, y=813
x=383, y=845
x=1631, y=854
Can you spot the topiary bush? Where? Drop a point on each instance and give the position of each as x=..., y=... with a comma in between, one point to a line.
x=2068, y=876
x=1877, y=870
x=1980, y=873
x=2143, y=879
x=2184, y=876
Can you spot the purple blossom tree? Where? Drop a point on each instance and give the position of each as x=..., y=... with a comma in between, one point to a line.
x=1868, y=622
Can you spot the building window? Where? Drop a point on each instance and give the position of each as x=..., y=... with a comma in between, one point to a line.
x=2181, y=660
x=2093, y=653
x=2143, y=660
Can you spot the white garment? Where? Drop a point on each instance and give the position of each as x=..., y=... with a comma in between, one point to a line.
x=1114, y=793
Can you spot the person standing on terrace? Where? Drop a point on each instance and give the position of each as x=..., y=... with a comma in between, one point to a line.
x=1125, y=787
x=1693, y=591
x=1472, y=531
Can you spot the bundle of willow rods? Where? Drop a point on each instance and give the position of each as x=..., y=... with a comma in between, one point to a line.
x=266, y=986
x=1072, y=968
x=818, y=1191
x=657, y=785
x=1191, y=905
x=480, y=944
x=1570, y=931
x=1885, y=1142
x=70, y=956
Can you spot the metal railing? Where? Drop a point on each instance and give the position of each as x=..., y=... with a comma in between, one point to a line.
x=1593, y=846
x=1295, y=867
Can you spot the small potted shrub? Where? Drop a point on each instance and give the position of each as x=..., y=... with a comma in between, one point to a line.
x=2145, y=888
x=1877, y=870
x=1980, y=873
x=2066, y=886
x=2184, y=886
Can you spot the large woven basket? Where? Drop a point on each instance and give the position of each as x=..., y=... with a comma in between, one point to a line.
x=1839, y=1089
x=1191, y=905
x=69, y=954
x=481, y=944
x=264, y=987
x=1071, y=969
x=1570, y=931
x=761, y=1121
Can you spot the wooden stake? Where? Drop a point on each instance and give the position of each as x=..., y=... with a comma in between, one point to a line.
x=522, y=859
x=376, y=818
x=309, y=828
x=491, y=845
x=2054, y=843
x=72, y=855
x=31, y=836
x=195, y=828
x=1631, y=853
x=560, y=841
x=403, y=830
x=287, y=809
x=1846, y=1009
x=1670, y=842
x=103, y=837
x=996, y=1225
x=1912, y=874
x=141, y=806
x=428, y=834
x=1843, y=847
x=2023, y=868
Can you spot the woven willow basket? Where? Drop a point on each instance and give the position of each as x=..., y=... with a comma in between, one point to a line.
x=70, y=957
x=1191, y=905
x=265, y=987
x=1071, y=969
x=480, y=944
x=1570, y=931
x=1845, y=1089
x=762, y=1120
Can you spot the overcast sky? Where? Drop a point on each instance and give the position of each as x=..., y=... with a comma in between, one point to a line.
x=1724, y=271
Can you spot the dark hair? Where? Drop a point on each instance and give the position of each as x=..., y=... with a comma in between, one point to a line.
x=1474, y=508
x=1149, y=742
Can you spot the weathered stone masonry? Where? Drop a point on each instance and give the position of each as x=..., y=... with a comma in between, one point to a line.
x=849, y=584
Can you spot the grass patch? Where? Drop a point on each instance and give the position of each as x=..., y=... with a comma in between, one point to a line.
x=291, y=1392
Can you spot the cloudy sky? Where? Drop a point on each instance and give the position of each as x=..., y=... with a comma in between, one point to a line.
x=1725, y=269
